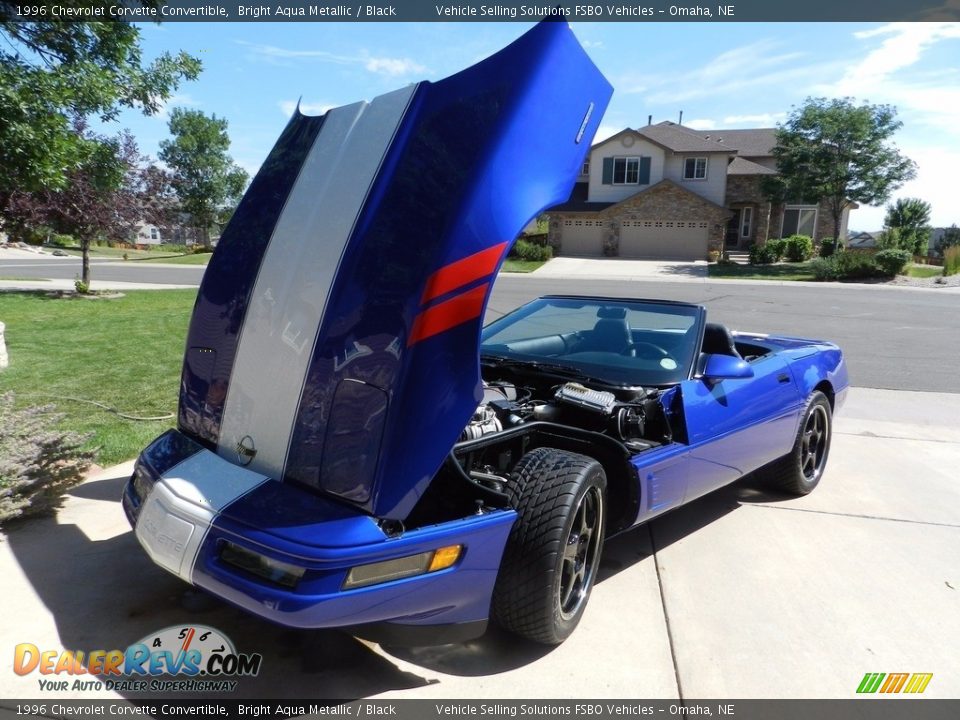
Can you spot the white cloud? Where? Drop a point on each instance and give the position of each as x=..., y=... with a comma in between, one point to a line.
x=701, y=124
x=605, y=131
x=307, y=108
x=592, y=44
x=392, y=67
x=935, y=183
x=903, y=46
x=732, y=71
x=758, y=120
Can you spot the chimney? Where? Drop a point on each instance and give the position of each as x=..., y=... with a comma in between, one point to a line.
x=649, y=119
x=680, y=121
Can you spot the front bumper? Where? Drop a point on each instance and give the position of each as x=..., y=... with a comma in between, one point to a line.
x=186, y=503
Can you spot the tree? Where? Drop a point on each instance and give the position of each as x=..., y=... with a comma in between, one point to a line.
x=101, y=198
x=950, y=237
x=55, y=72
x=911, y=216
x=205, y=177
x=840, y=152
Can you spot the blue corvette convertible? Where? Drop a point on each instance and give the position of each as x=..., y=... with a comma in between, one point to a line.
x=353, y=450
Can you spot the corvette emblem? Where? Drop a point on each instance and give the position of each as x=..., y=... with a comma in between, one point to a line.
x=246, y=451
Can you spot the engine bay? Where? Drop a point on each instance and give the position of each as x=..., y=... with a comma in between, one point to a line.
x=526, y=407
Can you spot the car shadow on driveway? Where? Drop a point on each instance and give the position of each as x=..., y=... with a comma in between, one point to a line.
x=104, y=593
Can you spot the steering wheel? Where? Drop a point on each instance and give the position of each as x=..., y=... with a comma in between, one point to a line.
x=631, y=350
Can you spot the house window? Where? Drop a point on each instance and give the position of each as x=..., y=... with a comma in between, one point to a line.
x=746, y=221
x=695, y=168
x=585, y=168
x=799, y=220
x=626, y=170
x=154, y=235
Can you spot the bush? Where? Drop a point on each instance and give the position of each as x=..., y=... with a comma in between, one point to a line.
x=778, y=246
x=824, y=268
x=854, y=264
x=63, y=241
x=200, y=249
x=951, y=260
x=762, y=254
x=526, y=250
x=799, y=248
x=37, y=463
x=892, y=262
x=828, y=246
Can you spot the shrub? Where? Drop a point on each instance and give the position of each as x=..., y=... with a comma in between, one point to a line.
x=762, y=254
x=892, y=262
x=82, y=287
x=852, y=265
x=824, y=268
x=828, y=246
x=63, y=241
x=37, y=463
x=951, y=260
x=799, y=248
x=200, y=249
x=778, y=246
x=526, y=250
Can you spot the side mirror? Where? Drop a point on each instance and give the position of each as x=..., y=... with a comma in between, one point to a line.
x=726, y=367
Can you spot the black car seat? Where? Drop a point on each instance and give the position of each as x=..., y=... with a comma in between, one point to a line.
x=717, y=340
x=611, y=333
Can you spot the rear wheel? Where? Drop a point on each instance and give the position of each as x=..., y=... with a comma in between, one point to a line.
x=799, y=472
x=553, y=553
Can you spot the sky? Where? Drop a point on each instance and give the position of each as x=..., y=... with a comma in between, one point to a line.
x=728, y=75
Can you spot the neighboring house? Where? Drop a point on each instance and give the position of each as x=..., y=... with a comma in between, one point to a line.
x=863, y=239
x=667, y=191
x=147, y=234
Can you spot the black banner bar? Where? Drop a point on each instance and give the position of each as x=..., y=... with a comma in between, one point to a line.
x=866, y=708
x=479, y=11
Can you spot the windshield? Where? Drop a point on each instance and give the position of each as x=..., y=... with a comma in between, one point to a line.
x=619, y=341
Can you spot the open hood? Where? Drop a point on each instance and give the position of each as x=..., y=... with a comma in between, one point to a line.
x=334, y=341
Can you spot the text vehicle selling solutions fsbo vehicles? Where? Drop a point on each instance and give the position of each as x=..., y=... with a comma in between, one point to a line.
x=353, y=451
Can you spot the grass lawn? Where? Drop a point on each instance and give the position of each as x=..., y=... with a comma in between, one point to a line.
x=923, y=271
x=779, y=271
x=124, y=352
x=521, y=266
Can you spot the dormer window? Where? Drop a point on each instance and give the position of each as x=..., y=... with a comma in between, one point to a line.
x=626, y=171
x=695, y=168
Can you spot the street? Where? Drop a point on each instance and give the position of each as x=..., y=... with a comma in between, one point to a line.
x=893, y=338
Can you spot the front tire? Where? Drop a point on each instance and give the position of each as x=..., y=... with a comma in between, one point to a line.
x=799, y=472
x=552, y=555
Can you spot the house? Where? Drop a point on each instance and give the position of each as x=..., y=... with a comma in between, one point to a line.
x=863, y=239
x=668, y=191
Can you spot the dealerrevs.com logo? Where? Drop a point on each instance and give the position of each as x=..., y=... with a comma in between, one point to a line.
x=199, y=658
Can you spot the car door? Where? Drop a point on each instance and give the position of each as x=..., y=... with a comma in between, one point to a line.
x=735, y=426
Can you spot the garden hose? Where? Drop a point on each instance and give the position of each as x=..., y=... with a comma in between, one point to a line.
x=125, y=416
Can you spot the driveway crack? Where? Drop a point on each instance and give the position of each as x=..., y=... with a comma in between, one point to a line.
x=852, y=515
x=666, y=614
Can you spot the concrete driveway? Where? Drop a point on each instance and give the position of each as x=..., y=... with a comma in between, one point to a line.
x=743, y=594
x=622, y=269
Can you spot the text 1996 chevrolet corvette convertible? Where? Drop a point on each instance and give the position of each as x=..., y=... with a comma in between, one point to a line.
x=352, y=451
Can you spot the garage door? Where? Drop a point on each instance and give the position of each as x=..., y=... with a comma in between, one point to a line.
x=664, y=239
x=582, y=237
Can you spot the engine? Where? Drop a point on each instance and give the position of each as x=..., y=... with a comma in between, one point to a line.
x=626, y=418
